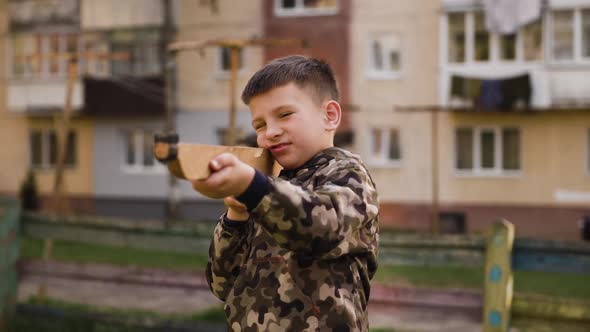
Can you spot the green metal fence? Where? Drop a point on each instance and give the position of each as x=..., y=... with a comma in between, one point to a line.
x=9, y=252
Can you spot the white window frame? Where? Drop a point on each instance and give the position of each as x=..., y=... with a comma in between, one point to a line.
x=578, y=58
x=138, y=167
x=478, y=170
x=383, y=74
x=300, y=10
x=384, y=160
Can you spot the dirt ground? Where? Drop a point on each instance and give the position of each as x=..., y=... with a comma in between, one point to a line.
x=184, y=293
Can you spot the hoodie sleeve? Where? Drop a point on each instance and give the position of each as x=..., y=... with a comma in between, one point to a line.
x=335, y=216
x=227, y=253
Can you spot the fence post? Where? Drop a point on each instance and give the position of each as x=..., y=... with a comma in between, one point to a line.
x=498, y=277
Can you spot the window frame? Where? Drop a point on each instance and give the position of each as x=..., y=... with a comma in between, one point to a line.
x=578, y=57
x=384, y=160
x=384, y=74
x=477, y=170
x=138, y=167
x=494, y=43
x=45, y=157
x=300, y=10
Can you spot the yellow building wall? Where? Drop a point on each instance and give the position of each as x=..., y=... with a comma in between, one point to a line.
x=554, y=152
x=416, y=24
x=411, y=179
x=14, y=134
x=12, y=126
x=201, y=86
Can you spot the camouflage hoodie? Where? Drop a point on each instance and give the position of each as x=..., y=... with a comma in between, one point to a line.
x=304, y=259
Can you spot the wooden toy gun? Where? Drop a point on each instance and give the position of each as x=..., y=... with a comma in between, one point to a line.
x=191, y=161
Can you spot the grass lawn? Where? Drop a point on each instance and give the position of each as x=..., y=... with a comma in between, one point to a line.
x=82, y=252
x=567, y=285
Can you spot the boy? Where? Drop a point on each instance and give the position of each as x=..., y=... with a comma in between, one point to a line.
x=294, y=252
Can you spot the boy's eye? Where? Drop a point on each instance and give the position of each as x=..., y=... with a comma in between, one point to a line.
x=282, y=115
x=259, y=126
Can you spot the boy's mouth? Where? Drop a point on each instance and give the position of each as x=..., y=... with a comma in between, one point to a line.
x=278, y=148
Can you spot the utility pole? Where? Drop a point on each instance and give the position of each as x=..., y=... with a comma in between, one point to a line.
x=60, y=205
x=235, y=46
x=168, y=67
x=435, y=222
x=62, y=121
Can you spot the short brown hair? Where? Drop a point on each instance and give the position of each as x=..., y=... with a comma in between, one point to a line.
x=302, y=70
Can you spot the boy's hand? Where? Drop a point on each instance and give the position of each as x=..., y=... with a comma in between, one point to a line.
x=236, y=210
x=229, y=177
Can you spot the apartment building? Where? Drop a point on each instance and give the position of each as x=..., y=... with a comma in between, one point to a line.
x=474, y=123
x=35, y=95
x=113, y=99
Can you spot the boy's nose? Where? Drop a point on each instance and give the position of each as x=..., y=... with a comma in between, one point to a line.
x=273, y=131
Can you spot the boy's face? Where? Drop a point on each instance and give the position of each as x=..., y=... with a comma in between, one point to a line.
x=291, y=124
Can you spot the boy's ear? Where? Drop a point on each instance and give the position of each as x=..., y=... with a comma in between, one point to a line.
x=332, y=115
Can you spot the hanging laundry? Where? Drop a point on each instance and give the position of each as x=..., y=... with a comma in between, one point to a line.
x=465, y=88
x=507, y=16
x=491, y=95
x=497, y=94
x=517, y=92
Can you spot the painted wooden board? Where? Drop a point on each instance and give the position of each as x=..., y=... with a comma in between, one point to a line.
x=498, y=277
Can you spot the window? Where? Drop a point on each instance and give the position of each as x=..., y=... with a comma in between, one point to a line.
x=384, y=146
x=464, y=147
x=468, y=40
x=225, y=59
x=456, y=37
x=563, y=35
x=487, y=150
x=510, y=149
x=143, y=49
x=508, y=47
x=139, y=155
x=482, y=38
x=586, y=33
x=44, y=150
x=533, y=41
x=570, y=35
x=384, y=56
x=305, y=7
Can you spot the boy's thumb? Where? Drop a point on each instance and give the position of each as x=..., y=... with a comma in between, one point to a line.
x=221, y=161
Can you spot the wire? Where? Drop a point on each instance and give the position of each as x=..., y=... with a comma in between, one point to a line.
x=143, y=84
x=157, y=98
